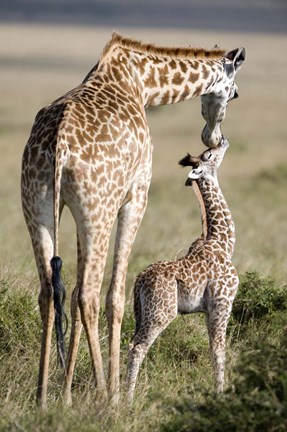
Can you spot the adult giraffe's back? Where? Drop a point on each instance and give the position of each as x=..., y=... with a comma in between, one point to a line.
x=91, y=150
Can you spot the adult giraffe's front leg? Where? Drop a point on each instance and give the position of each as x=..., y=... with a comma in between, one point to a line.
x=129, y=219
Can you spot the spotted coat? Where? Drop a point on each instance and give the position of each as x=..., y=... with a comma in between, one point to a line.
x=91, y=151
x=205, y=280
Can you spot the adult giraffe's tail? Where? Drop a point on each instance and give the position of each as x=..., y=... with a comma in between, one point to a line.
x=59, y=300
x=56, y=262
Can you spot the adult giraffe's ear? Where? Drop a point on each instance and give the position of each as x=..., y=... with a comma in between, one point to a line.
x=237, y=57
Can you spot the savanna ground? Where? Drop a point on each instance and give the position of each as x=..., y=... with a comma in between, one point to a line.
x=175, y=388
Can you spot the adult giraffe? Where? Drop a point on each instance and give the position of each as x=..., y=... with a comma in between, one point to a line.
x=91, y=150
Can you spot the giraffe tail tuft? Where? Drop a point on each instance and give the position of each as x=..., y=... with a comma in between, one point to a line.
x=59, y=301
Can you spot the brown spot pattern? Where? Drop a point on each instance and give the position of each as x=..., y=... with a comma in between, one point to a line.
x=91, y=151
x=205, y=280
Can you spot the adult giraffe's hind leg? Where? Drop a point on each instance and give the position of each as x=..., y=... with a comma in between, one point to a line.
x=89, y=303
x=129, y=219
x=37, y=193
x=37, y=203
x=47, y=315
x=94, y=248
x=43, y=250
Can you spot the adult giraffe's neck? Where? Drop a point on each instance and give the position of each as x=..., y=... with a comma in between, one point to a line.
x=167, y=80
x=159, y=76
x=218, y=219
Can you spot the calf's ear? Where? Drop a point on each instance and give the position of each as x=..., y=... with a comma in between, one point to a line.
x=188, y=160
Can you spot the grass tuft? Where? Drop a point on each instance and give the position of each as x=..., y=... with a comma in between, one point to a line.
x=257, y=401
x=175, y=386
x=257, y=297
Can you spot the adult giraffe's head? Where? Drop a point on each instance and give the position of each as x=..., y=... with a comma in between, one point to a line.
x=214, y=102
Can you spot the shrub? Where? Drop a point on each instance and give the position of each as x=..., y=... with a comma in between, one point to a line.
x=19, y=319
x=257, y=297
x=258, y=403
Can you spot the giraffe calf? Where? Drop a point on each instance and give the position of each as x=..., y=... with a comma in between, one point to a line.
x=205, y=280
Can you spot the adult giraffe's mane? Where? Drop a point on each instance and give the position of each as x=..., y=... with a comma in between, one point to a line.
x=173, y=52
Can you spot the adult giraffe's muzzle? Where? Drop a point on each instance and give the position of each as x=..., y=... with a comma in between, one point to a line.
x=211, y=137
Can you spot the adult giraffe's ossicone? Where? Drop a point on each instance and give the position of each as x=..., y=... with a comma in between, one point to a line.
x=91, y=150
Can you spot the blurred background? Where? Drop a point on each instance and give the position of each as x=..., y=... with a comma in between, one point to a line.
x=234, y=15
x=47, y=47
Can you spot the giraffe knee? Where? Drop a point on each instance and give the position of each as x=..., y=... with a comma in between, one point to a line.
x=88, y=303
x=45, y=294
x=115, y=316
x=135, y=351
x=115, y=308
x=46, y=303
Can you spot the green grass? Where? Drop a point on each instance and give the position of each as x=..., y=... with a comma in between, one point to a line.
x=256, y=402
x=175, y=386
